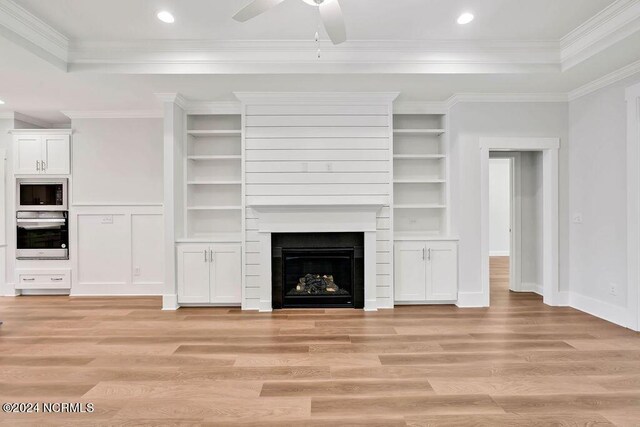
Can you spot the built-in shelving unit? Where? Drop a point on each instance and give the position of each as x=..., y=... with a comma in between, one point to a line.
x=213, y=178
x=420, y=176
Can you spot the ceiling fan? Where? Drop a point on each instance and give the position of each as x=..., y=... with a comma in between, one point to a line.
x=330, y=13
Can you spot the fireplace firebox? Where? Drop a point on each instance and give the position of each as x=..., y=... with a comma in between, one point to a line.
x=312, y=270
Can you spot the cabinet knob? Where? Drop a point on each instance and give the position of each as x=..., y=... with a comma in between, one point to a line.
x=38, y=165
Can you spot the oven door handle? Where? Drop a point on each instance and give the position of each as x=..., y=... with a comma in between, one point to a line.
x=43, y=220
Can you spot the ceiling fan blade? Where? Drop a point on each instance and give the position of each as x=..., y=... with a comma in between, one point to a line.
x=333, y=21
x=254, y=9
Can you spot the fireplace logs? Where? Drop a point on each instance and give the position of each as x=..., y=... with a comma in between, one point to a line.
x=315, y=284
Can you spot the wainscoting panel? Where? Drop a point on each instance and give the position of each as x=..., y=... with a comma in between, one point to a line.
x=119, y=250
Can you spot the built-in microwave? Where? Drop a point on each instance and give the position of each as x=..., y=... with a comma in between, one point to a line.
x=41, y=194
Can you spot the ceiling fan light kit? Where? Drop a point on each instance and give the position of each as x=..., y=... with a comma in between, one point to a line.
x=329, y=10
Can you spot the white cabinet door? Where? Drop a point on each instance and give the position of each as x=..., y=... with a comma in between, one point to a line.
x=193, y=274
x=410, y=271
x=442, y=271
x=226, y=274
x=28, y=154
x=56, y=154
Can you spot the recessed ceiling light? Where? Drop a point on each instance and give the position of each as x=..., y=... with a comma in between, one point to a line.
x=166, y=17
x=465, y=18
x=1, y=102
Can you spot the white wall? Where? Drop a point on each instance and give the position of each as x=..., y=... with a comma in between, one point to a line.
x=469, y=122
x=531, y=195
x=117, y=161
x=599, y=194
x=116, y=218
x=499, y=207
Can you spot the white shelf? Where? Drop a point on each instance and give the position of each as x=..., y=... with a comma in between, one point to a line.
x=419, y=181
x=214, y=182
x=419, y=156
x=223, y=132
x=216, y=157
x=420, y=206
x=419, y=131
x=214, y=208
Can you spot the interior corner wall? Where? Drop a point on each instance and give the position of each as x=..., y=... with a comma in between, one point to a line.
x=468, y=123
x=598, y=245
x=531, y=195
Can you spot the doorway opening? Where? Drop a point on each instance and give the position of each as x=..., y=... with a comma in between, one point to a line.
x=502, y=230
x=515, y=225
x=533, y=249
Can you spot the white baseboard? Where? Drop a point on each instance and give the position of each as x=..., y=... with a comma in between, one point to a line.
x=471, y=299
x=499, y=253
x=603, y=310
x=563, y=299
x=531, y=287
x=170, y=302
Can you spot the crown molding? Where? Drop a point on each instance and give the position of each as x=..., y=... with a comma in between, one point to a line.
x=114, y=114
x=605, y=81
x=287, y=57
x=614, y=23
x=327, y=98
x=33, y=34
x=505, y=97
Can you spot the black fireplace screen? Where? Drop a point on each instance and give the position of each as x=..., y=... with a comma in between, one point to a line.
x=318, y=273
x=318, y=270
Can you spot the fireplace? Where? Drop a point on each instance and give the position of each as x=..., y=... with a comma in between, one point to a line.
x=317, y=270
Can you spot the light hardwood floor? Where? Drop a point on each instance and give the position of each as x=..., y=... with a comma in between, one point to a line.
x=519, y=363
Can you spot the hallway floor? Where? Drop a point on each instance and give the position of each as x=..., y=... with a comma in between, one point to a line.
x=517, y=363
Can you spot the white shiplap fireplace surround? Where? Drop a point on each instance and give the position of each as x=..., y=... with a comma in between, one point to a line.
x=309, y=162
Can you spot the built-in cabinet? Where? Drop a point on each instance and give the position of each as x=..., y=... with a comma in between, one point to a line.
x=210, y=159
x=209, y=273
x=425, y=256
x=426, y=271
x=420, y=175
x=41, y=154
x=209, y=241
x=213, y=184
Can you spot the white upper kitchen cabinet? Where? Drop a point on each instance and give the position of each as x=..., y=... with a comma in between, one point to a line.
x=57, y=154
x=42, y=152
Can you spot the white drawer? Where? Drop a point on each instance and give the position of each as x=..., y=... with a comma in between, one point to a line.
x=43, y=279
